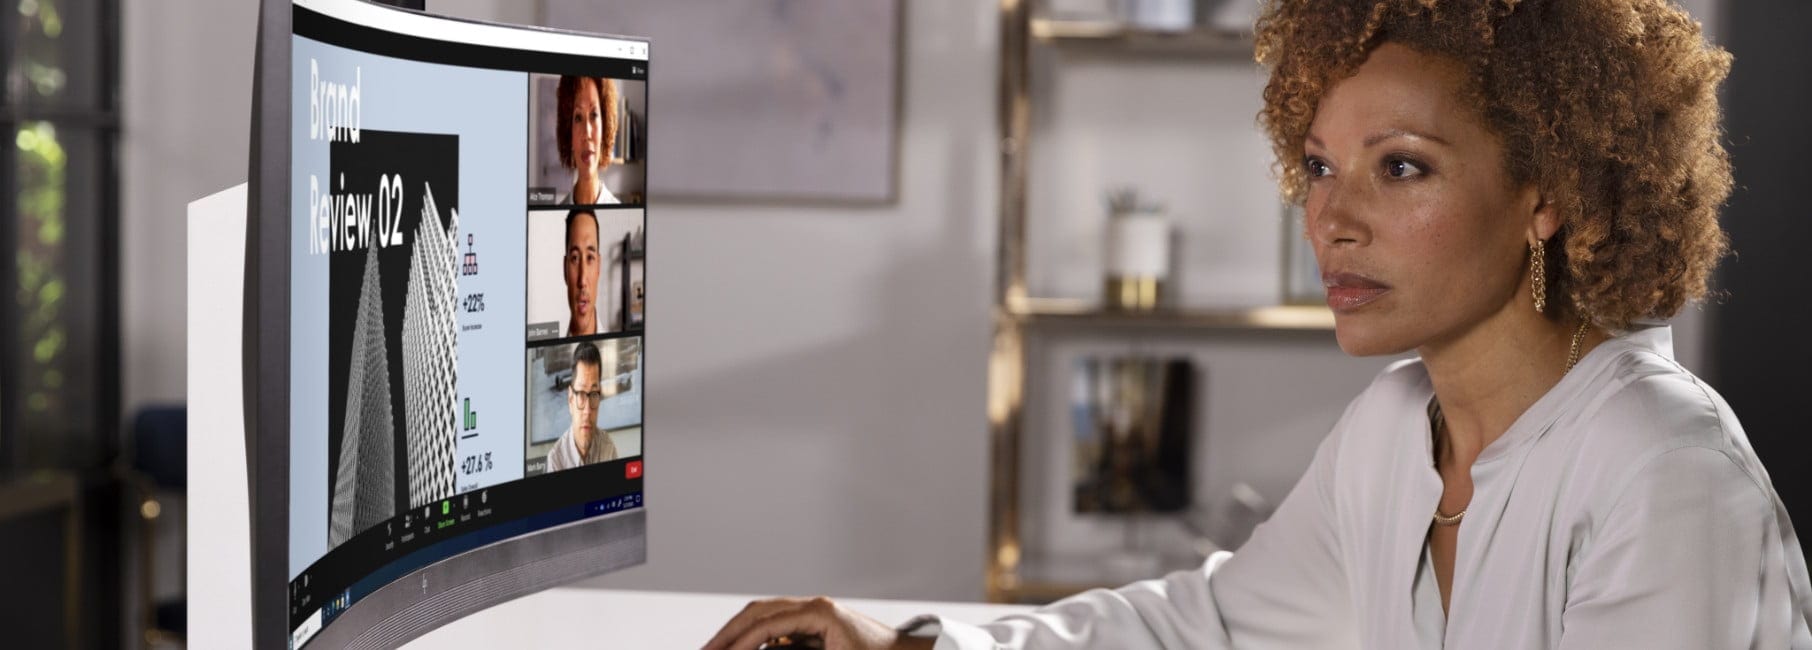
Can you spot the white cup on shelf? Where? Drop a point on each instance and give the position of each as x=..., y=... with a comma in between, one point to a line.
x=1137, y=260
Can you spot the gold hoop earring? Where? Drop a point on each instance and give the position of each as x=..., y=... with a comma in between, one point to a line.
x=1538, y=274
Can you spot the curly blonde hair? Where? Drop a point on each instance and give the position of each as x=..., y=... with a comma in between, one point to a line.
x=1608, y=106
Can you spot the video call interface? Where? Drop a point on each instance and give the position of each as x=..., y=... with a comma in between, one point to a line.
x=467, y=275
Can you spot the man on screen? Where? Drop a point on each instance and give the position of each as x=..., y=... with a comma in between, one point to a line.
x=582, y=267
x=583, y=443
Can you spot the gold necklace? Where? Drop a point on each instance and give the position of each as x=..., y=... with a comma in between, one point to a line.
x=1578, y=337
x=1440, y=421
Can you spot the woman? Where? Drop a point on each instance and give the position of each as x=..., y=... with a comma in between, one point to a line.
x=1512, y=190
x=586, y=133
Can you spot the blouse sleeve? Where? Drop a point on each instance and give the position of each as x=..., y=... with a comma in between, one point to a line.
x=1689, y=556
x=1284, y=589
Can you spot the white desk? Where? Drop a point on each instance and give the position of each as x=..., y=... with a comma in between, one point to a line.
x=609, y=619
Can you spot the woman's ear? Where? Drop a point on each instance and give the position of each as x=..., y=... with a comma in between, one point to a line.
x=1544, y=219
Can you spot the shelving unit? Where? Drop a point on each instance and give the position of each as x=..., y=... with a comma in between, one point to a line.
x=1017, y=314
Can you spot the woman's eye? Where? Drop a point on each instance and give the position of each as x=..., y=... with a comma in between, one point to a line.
x=1400, y=168
x=1315, y=167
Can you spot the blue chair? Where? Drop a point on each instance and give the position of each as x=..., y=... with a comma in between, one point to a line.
x=159, y=465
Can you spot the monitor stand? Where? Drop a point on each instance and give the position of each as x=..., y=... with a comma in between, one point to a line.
x=219, y=558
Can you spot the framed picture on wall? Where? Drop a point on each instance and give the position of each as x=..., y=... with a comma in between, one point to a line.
x=766, y=101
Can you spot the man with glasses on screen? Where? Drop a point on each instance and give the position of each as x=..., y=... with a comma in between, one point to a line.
x=583, y=443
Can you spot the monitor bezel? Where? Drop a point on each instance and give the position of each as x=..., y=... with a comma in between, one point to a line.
x=512, y=567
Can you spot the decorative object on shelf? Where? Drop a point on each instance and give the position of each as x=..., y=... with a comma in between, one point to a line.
x=1082, y=10
x=1301, y=275
x=636, y=295
x=1159, y=15
x=1138, y=253
x=1132, y=417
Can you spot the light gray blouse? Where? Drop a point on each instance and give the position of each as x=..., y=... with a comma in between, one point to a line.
x=1624, y=509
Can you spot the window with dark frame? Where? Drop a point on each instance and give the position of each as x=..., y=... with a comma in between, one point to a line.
x=60, y=373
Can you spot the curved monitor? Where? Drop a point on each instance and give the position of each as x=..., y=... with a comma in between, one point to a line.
x=445, y=322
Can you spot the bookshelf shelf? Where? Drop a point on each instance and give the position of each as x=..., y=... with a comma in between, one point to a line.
x=1077, y=313
x=1106, y=37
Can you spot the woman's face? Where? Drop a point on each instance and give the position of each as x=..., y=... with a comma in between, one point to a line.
x=1419, y=232
x=587, y=128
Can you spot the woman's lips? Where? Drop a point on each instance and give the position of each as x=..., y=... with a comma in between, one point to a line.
x=1350, y=291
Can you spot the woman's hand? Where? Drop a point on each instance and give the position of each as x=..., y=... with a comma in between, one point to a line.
x=838, y=627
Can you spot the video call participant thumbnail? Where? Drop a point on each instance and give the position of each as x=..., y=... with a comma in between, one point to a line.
x=583, y=443
x=586, y=134
x=583, y=265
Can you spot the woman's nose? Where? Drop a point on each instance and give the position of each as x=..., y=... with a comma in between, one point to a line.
x=1336, y=217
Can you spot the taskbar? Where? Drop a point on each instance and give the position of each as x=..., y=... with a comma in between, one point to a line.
x=436, y=531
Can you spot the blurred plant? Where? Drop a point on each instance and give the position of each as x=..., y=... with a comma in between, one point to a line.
x=40, y=297
x=41, y=257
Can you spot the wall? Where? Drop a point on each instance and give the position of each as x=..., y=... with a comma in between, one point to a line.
x=186, y=99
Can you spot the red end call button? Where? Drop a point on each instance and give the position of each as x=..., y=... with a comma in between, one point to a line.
x=632, y=469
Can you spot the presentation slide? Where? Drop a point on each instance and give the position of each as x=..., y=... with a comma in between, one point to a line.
x=407, y=280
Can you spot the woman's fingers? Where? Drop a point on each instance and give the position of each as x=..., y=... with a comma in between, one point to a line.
x=751, y=614
x=798, y=621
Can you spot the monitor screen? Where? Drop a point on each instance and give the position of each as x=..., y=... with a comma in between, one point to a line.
x=467, y=241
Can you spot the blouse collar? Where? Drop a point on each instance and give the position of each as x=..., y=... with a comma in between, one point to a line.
x=1588, y=372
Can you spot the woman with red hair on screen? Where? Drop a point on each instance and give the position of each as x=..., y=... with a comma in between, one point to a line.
x=586, y=132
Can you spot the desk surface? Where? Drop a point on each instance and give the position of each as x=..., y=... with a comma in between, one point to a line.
x=609, y=619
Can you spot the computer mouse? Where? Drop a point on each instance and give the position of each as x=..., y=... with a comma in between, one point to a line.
x=800, y=641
